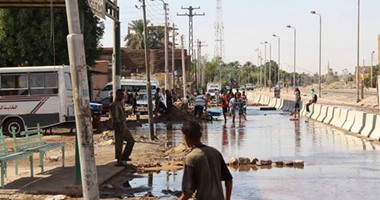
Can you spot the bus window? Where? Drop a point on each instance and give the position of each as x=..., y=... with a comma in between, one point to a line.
x=43, y=83
x=14, y=84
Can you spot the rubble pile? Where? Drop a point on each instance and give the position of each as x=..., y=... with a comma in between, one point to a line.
x=244, y=161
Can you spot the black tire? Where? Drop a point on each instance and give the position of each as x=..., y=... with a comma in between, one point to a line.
x=13, y=122
x=209, y=118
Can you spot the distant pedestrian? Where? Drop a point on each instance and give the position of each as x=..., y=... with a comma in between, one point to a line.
x=297, y=94
x=134, y=100
x=169, y=102
x=199, y=102
x=174, y=96
x=121, y=131
x=232, y=106
x=205, y=168
x=217, y=96
x=240, y=106
x=225, y=101
x=159, y=102
x=312, y=100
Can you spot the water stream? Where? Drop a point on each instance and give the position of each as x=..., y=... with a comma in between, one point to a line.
x=337, y=165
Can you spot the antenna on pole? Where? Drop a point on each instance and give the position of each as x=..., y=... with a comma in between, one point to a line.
x=219, y=31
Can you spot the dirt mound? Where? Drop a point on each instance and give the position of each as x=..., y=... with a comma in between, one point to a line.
x=341, y=85
x=177, y=114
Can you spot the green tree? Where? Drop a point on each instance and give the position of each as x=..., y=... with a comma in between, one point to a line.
x=135, y=38
x=42, y=41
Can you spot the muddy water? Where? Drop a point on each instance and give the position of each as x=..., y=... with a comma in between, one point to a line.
x=337, y=165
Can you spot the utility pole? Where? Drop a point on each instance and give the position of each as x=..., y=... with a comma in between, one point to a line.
x=173, y=56
x=200, y=69
x=183, y=67
x=167, y=83
x=191, y=15
x=148, y=84
x=78, y=69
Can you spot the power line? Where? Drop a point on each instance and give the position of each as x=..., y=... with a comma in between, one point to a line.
x=190, y=15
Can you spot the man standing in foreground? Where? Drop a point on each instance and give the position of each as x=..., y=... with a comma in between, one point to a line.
x=205, y=168
x=121, y=132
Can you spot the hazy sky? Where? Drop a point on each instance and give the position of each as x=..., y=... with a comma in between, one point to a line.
x=249, y=22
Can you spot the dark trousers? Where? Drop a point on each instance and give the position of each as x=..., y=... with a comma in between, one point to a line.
x=119, y=140
x=198, y=110
x=308, y=104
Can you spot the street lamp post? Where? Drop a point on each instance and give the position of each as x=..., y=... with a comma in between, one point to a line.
x=294, y=67
x=371, y=68
x=258, y=62
x=278, y=60
x=265, y=60
x=270, y=66
x=320, y=50
x=357, y=56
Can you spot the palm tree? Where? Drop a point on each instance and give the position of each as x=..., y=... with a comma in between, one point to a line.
x=135, y=40
x=157, y=37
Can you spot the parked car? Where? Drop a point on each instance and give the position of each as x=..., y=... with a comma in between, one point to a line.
x=249, y=86
x=96, y=108
x=106, y=102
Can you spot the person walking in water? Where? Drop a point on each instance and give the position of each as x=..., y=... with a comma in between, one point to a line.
x=199, y=102
x=121, y=132
x=205, y=168
x=224, y=104
x=297, y=94
x=232, y=106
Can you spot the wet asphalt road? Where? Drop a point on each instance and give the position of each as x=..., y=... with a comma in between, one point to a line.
x=337, y=165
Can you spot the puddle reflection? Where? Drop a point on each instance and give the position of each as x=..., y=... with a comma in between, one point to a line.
x=331, y=157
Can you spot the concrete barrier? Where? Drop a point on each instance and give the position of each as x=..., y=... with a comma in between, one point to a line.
x=335, y=117
x=350, y=120
x=369, y=124
x=262, y=99
x=288, y=105
x=303, y=108
x=316, y=111
x=330, y=115
x=255, y=99
x=280, y=103
x=375, y=134
x=360, y=118
x=265, y=100
x=323, y=114
x=342, y=117
x=272, y=102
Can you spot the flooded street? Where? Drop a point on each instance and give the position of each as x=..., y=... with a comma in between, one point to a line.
x=337, y=165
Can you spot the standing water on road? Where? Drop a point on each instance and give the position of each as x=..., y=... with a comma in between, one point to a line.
x=337, y=165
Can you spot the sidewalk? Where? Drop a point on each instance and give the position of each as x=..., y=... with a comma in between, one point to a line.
x=59, y=180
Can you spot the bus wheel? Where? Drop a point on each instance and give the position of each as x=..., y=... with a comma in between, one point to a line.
x=13, y=123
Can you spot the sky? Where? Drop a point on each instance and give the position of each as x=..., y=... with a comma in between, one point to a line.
x=248, y=23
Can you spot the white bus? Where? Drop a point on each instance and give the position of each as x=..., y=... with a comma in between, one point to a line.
x=130, y=85
x=31, y=95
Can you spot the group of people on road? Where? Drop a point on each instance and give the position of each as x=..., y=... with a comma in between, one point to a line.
x=204, y=169
x=297, y=104
x=234, y=103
